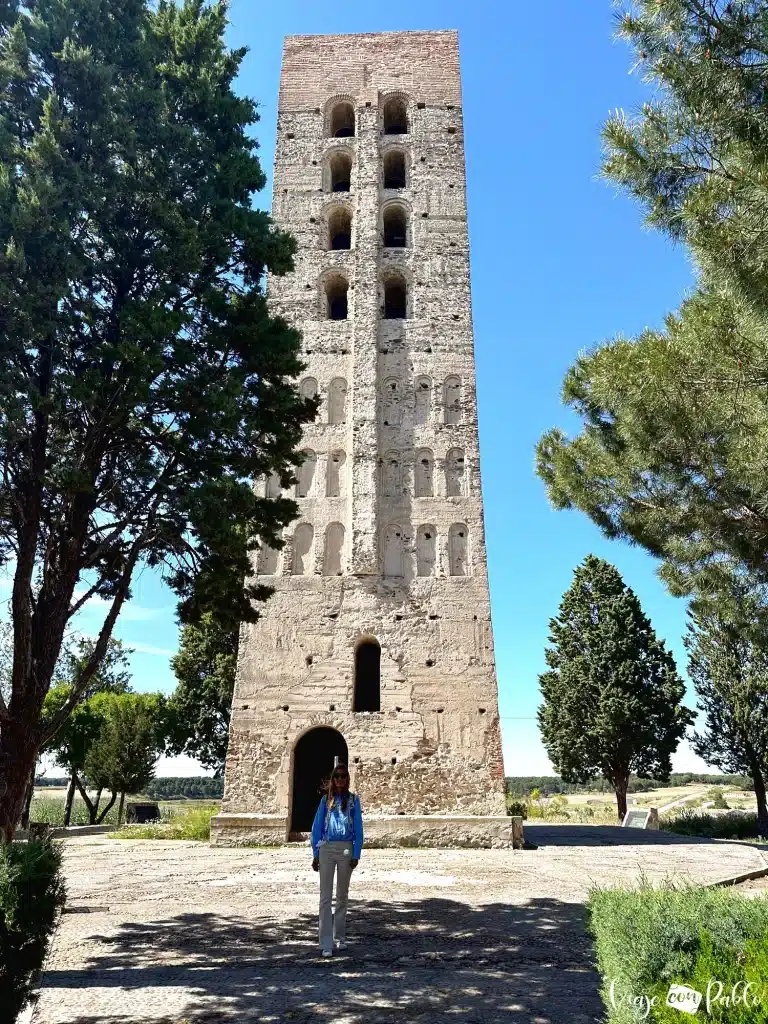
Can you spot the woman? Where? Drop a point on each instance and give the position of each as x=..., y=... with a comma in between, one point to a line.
x=337, y=840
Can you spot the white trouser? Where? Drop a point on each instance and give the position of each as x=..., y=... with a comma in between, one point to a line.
x=334, y=857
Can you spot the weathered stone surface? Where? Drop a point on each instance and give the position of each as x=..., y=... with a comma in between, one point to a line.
x=390, y=542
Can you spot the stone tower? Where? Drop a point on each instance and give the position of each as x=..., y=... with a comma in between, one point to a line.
x=376, y=647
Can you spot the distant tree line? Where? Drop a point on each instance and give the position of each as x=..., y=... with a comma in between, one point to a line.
x=549, y=785
x=201, y=787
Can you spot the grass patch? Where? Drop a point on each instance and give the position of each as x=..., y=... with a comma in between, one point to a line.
x=49, y=810
x=649, y=939
x=686, y=822
x=181, y=823
x=558, y=811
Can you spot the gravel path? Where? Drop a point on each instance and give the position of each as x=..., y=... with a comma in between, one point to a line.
x=165, y=932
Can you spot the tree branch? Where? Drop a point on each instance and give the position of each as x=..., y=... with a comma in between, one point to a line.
x=50, y=729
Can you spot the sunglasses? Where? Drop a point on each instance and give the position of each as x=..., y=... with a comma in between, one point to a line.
x=340, y=775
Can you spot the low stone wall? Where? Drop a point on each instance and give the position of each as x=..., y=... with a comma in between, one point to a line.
x=433, y=830
x=451, y=831
x=248, y=830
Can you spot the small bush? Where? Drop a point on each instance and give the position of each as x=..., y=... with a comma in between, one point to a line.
x=734, y=825
x=717, y=797
x=649, y=939
x=188, y=823
x=31, y=893
x=518, y=808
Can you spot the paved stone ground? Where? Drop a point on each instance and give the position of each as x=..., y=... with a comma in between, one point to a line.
x=164, y=932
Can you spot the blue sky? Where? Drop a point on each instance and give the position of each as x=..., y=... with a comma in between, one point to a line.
x=560, y=262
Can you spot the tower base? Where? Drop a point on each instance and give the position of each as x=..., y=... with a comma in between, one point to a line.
x=410, y=830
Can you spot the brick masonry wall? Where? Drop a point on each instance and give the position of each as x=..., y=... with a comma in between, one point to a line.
x=435, y=744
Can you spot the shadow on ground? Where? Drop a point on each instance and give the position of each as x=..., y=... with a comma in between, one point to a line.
x=615, y=835
x=429, y=960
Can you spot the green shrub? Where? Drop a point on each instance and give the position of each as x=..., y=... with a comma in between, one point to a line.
x=649, y=939
x=31, y=893
x=734, y=825
x=187, y=823
x=518, y=807
x=717, y=797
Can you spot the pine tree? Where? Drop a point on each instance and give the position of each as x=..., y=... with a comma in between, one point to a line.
x=201, y=705
x=612, y=694
x=144, y=383
x=672, y=454
x=728, y=663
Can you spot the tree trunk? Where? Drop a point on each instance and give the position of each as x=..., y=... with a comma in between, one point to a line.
x=620, y=788
x=18, y=757
x=107, y=809
x=96, y=803
x=70, y=799
x=762, y=804
x=86, y=800
x=28, y=800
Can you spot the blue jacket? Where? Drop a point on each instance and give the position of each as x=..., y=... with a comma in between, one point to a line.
x=337, y=826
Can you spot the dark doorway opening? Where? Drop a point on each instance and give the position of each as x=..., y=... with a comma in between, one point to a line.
x=395, y=118
x=395, y=229
x=367, y=676
x=313, y=759
x=394, y=169
x=341, y=172
x=336, y=296
x=343, y=121
x=395, y=299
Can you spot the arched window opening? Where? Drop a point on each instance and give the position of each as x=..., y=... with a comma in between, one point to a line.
x=306, y=474
x=391, y=404
x=336, y=297
x=395, y=117
x=273, y=489
x=367, y=696
x=426, y=549
x=394, y=169
x=423, y=400
x=340, y=167
x=425, y=462
x=303, y=539
x=393, y=551
x=334, y=550
x=267, y=561
x=391, y=478
x=335, y=475
x=395, y=228
x=458, y=550
x=340, y=228
x=337, y=401
x=395, y=298
x=343, y=120
x=454, y=473
x=452, y=399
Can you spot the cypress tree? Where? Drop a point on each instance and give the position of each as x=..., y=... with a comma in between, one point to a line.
x=612, y=693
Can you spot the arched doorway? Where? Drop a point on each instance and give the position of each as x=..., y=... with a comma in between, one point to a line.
x=313, y=759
